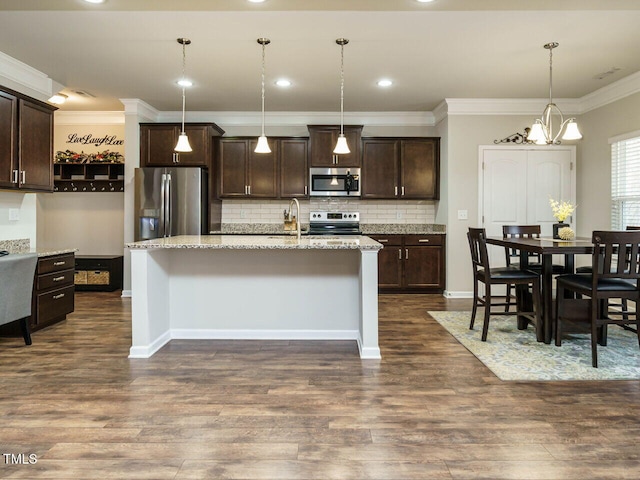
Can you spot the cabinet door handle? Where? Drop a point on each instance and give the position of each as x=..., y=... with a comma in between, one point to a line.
x=58, y=279
x=424, y=240
x=58, y=297
x=305, y=189
x=399, y=254
x=403, y=190
x=406, y=254
x=383, y=240
x=57, y=264
x=395, y=190
x=249, y=189
x=23, y=174
x=15, y=176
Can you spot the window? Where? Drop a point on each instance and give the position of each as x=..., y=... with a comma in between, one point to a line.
x=625, y=180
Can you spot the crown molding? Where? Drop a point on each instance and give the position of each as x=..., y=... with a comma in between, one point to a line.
x=508, y=106
x=613, y=92
x=24, y=78
x=93, y=118
x=135, y=106
x=287, y=119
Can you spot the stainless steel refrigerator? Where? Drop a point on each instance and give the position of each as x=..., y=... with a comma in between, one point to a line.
x=170, y=201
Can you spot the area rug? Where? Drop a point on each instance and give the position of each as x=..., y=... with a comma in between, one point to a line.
x=513, y=354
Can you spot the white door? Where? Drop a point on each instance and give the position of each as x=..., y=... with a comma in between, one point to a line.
x=515, y=186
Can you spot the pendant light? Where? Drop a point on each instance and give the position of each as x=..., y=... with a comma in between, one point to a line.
x=183, y=140
x=341, y=144
x=542, y=129
x=263, y=144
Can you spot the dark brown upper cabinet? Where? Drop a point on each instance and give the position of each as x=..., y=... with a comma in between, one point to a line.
x=322, y=141
x=26, y=143
x=158, y=140
x=401, y=168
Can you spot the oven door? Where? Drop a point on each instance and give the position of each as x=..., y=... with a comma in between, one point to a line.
x=334, y=182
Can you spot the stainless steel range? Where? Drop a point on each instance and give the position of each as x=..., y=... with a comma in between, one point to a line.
x=334, y=223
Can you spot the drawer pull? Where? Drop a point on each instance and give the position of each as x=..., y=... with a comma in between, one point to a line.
x=57, y=264
x=58, y=297
x=424, y=240
x=58, y=279
x=383, y=240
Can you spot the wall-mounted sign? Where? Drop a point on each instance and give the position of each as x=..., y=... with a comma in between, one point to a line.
x=89, y=139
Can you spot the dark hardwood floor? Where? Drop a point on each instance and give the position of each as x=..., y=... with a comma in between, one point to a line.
x=298, y=410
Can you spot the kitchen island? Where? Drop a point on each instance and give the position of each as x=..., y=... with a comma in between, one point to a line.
x=254, y=287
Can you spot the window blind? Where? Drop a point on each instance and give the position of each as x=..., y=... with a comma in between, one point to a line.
x=625, y=182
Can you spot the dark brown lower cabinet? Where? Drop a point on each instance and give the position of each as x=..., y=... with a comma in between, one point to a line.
x=53, y=293
x=411, y=263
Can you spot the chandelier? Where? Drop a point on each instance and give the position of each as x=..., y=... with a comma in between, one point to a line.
x=542, y=130
x=341, y=145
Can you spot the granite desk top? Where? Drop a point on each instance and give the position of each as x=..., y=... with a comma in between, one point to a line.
x=22, y=246
x=260, y=242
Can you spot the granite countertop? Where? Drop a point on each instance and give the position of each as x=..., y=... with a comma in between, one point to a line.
x=22, y=245
x=260, y=242
x=366, y=228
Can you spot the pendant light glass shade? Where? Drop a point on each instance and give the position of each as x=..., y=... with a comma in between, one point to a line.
x=263, y=143
x=341, y=145
x=542, y=129
x=183, y=140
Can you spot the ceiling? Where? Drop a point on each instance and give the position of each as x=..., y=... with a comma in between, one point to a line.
x=444, y=49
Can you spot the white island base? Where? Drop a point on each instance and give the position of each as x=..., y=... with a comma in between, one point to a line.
x=251, y=287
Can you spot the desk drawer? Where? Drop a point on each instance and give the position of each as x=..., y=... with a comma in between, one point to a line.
x=54, y=279
x=54, y=304
x=388, y=240
x=56, y=263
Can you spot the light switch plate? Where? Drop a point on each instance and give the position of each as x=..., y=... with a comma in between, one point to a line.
x=463, y=215
x=14, y=214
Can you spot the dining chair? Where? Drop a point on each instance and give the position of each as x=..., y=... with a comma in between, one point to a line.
x=615, y=274
x=17, y=272
x=534, y=260
x=510, y=275
x=623, y=303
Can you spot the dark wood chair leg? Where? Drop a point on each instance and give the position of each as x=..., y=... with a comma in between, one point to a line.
x=594, y=338
x=26, y=332
x=475, y=304
x=537, y=306
x=487, y=312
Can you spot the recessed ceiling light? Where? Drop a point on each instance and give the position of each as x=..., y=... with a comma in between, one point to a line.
x=283, y=82
x=94, y=1
x=58, y=99
x=425, y=1
x=385, y=82
x=185, y=83
x=256, y=1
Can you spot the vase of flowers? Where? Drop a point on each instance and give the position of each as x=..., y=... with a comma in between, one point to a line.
x=561, y=211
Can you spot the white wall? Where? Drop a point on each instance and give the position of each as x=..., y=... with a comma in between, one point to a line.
x=24, y=205
x=594, y=165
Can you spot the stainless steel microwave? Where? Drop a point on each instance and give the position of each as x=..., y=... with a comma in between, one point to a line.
x=334, y=182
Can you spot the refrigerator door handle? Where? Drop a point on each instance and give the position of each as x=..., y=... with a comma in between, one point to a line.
x=163, y=220
x=169, y=220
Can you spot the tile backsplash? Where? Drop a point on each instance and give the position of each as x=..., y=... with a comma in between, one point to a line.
x=371, y=211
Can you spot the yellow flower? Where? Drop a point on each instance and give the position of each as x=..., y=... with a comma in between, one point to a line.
x=561, y=210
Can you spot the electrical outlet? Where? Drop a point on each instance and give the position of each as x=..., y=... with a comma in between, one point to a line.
x=14, y=214
x=243, y=214
x=398, y=215
x=463, y=215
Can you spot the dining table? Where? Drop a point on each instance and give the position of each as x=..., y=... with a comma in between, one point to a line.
x=546, y=247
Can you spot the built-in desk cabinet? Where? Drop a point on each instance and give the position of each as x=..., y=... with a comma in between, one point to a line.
x=401, y=168
x=88, y=177
x=411, y=263
x=53, y=294
x=26, y=136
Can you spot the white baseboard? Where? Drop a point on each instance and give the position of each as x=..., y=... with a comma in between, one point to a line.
x=148, y=350
x=211, y=334
x=126, y=294
x=449, y=294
